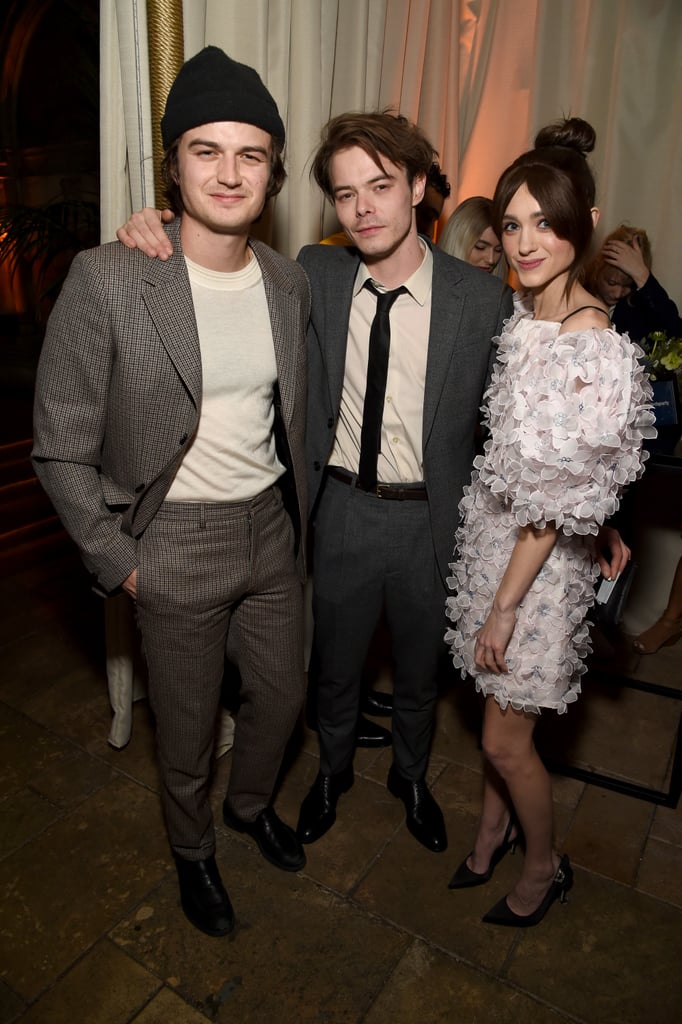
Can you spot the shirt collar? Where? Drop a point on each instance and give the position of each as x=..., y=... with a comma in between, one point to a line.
x=418, y=284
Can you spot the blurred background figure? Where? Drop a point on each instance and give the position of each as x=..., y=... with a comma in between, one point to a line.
x=620, y=275
x=429, y=210
x=469, y=235
x=668, y=628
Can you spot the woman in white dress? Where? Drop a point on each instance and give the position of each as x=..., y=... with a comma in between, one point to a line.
x=567, y=409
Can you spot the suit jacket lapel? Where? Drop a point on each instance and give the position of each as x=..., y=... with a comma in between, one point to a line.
x=284, y=312
x=447, y=305
x=338, y=302
x=168, y=297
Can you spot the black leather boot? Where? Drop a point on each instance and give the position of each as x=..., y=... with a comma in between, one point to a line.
x=203, y=896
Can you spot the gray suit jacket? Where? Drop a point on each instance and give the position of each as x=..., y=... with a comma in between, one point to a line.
x=467, y=310
x=119, y=391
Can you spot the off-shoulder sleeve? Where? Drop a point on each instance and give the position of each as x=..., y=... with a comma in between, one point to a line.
x=567, y=420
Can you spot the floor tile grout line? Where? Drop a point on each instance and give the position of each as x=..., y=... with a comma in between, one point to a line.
x=100, y=758
x=496, y=976
x=643, y=846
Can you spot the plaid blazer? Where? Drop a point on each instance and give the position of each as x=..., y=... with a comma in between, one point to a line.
x=118, y=394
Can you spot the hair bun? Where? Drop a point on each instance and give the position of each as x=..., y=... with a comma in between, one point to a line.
x=571, y=133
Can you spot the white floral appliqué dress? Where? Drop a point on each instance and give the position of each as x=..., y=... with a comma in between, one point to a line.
x=567, y=415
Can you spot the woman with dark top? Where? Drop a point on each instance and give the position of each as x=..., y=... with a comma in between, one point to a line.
x=621, y=277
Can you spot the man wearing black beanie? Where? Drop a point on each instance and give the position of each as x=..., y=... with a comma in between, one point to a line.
x=169, y=433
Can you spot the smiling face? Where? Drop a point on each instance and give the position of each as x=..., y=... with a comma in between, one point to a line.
x=486, y=251
x=537, y=255
x=375, y=206
x=223, y=171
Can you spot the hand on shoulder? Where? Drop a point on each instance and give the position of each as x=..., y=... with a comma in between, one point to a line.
x=144, y=230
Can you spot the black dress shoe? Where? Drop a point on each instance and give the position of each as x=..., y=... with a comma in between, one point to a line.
x=370, y=734
x=423, y=817
x=276, y=841
x=376, y=702
x=203, y=896
x=318, y=810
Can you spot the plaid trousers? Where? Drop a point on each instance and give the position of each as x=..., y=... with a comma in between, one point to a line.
x=206, y=570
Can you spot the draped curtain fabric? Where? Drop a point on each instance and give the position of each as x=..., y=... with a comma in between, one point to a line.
x=480, y=77
x=618, y=63
x=126, y=141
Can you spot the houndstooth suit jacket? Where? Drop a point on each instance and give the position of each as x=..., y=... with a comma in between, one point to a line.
x=118, y=394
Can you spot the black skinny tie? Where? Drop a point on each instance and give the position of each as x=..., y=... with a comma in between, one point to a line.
x=375, y=392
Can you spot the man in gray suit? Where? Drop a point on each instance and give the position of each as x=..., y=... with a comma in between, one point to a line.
x=384, y=507
x=169, y=434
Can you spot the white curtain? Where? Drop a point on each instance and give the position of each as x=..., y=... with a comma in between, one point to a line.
x=618, y=64
x=127, y=166
x=480, y=76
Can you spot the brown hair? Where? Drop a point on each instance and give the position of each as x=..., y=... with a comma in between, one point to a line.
x=170, y=173
x=558, y=176
x=380, y=134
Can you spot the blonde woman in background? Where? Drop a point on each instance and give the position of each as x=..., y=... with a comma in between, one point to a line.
x=469, y=235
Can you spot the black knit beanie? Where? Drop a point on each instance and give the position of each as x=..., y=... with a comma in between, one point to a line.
x=212, y=87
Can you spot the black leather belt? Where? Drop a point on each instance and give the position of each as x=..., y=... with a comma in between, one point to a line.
x=390, y=492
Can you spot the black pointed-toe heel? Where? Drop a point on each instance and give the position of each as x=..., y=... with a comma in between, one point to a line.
x=465, y=878
x=558, y=890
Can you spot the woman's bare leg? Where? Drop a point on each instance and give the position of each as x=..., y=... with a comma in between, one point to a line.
x=493, y=822
x=508, y=746
x=669, y=627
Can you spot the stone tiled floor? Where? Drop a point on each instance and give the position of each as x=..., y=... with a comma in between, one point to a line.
x=90, y=926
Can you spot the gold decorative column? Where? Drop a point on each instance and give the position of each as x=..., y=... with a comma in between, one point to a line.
x=166, y=56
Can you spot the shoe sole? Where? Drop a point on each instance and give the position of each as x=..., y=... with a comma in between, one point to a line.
x=215, y=933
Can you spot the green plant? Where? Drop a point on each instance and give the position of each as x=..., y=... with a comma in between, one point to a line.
x=663, y=355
